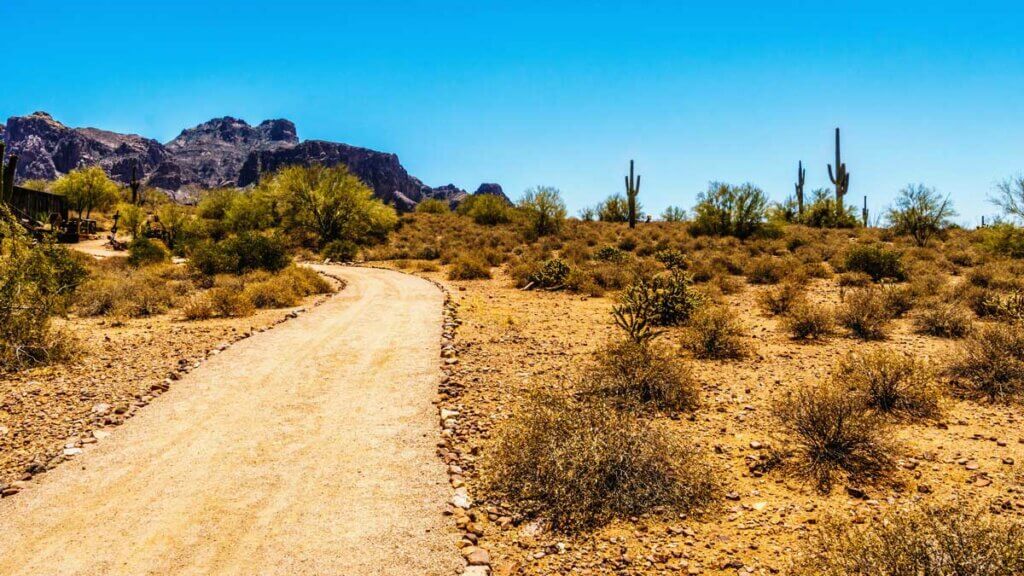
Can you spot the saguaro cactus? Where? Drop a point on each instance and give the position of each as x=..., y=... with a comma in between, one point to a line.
x=632, y=190
x=840, y=177
x=7, y=170
x=801, y=174
x=864, y=212
x=134, y=184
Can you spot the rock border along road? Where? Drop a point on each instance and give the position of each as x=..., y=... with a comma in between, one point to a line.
x=307, y=449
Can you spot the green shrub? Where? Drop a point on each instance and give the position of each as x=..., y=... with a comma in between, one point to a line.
x=144, y=251
x=240, y=254
x=550, y=274
x=610, y=254
x=767, y=270
x=581, y=465
x=953, y=540
x=340, y=251
x=433, y=206
x=36, y=282
x=197, y=307
x=875, y=261
x=486, y=209
x=671, y=258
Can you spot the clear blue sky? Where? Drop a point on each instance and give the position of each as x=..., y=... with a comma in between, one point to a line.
x=559, y=93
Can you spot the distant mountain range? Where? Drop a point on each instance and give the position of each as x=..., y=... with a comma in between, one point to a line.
x=222, y=152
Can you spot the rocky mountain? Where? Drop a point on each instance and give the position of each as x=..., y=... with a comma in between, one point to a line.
x=222, y=152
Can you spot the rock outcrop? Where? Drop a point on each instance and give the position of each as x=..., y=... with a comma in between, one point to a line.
x=222, y=152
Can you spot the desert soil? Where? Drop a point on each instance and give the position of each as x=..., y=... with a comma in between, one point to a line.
x=306, y=449
x=513, y=342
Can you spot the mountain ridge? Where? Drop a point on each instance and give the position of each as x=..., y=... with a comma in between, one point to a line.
x=224, y=151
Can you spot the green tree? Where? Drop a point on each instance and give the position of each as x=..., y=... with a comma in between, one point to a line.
x=615, y=208
x=674, y=214
x=332, y=204
x=543, y=209
x=727, y=210
x=214, y=204
x=87, y=189
x=132, y=218
x=920, y=212
x=250, y=210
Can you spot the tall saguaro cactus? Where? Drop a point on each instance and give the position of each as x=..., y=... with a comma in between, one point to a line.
x=801, y=174
x=7, y=169
x=864, y=212
x=135, y=185
x=632, y=190
x=840, y=177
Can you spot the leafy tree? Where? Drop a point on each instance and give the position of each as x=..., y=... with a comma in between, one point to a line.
x=177, y=222
x=87, y=189
x=332, y=204
x=822, y=212
x=486, y=209
x=543, y=209
x=615, y=208
x=727, y=210
x=674, y=214
x=920, y=212
x=1010, y=196
x=132, y=218
x=251, y=210
x=588, y=214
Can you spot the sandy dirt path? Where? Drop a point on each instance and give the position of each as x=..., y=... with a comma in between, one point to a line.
x=307, y=449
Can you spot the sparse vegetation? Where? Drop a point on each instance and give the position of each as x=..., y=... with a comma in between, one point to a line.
x=715, y=333
x=865, y=314
x=645, y=373
x=808, y=321
x=891, y=383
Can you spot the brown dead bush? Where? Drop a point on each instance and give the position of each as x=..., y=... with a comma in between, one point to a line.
x=892, y=383
x=579, y=465
x=644, y=373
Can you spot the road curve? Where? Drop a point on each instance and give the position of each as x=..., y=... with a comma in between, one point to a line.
x=306, y=449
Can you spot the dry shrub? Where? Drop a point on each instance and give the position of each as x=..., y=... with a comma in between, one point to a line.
x=898, y=299
x=853, y=279
x=715, y=333
x=935, y=541
x=230, y=302
x=768, y=270
x=129, y=293
x=892, y=383
x=644, y=373
x=866, y=314
x=831, y=432
x=780, y=299
x=809, y=321
x=426, y=266
x=580, y=465
x=468, y=268
x=991, y=363
x=944, y=320
x=197, y=307
x=284, y=289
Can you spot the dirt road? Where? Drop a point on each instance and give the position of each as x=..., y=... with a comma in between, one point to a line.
x=307, y=449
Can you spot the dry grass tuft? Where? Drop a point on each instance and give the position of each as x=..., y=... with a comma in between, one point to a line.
x=866, y=314
x=809, y=321
x=780, y=299
x=945, y=320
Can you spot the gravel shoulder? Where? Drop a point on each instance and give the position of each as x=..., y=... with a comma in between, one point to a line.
x=307, y=449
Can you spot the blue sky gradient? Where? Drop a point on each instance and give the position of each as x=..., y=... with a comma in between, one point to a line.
x=560, y=93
